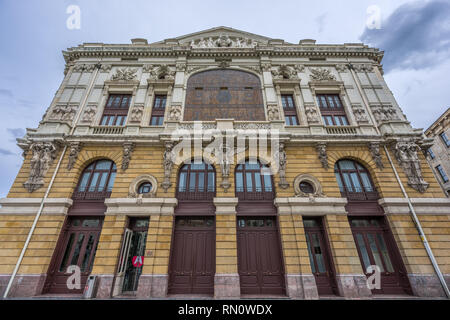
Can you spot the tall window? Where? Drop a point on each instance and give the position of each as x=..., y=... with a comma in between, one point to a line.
x=332, y=110
x=196, y=182
x=253, y=182
x=354, y=181
x=97, y=180
x=159, y=107
x=442, y=173
x=445, y=139
x=431, y=153
x=290, y=112
x=116, y=110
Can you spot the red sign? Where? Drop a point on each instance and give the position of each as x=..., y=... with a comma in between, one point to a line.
x=138, y=261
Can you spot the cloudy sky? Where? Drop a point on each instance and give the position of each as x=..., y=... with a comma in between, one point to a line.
x=415, y=36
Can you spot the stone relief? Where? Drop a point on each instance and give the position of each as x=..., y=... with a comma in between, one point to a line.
x=252, y=126
x=321, y=74
x=266, y=66
x=223, y=41
x=284, y=72
x=74, y=150
x=321, y=148
x=341, y=67
x=63, y=113
x=374, y=148
x=282, y=158
x=106, y=68
x=134, y=186
x=385, y=113
x=406, y=154
x=225, y=162
x=360, y=113
x=160, y=72
x=89, y=114
x=273, y=112
x=44, y=154
x=128, y=148
x=137, y=113
x=168, y=161
x=125, y=74
x=362, y=67
x=175, y=113
x=311, y=180
x=312, y=115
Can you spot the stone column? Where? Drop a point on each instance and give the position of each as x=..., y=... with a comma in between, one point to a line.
x=226, y=280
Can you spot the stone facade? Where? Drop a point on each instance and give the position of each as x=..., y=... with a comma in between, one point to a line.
x=310, y=149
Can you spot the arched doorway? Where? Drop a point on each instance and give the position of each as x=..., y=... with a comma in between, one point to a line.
x=373, y=238
x=193, y=250
x=260, y=262
x=78, y=240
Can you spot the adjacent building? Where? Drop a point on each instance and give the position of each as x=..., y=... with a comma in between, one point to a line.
x=224, y=164
x=439, y=154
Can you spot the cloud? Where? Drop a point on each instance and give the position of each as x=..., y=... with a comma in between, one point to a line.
x=6, y=93
x=415, y=36
x=5, y=152
x=16, y=132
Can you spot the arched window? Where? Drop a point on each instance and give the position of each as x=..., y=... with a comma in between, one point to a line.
x=97, y=181
x=253, y=181
x=354, y=181
x=196, y=181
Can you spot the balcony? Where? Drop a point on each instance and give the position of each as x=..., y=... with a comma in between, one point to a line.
x=341, y=130
x=107, y=130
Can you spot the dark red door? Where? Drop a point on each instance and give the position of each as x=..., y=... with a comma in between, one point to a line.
x=193, y=256
x=260, y=261
x=77, y=247
x=319, y=256
x=376, y=246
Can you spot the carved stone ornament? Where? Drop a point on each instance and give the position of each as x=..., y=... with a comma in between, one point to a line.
x=64, y=113
x=44, y=154
x=385, y=113
x=362, y=67
x=266, y=66
x=128, y=148
x=374, y=148
x=225, y=159
x=74, y=150
x=406, y=154
x=133, y=190
x=313, y=181
x=341, y=67
x=106, y=68
x=89, y=114
x=321, y=74
x=160, y=72
x=321, y=148
x=284, y=72
x=137, y=113
x=312, y=114
x=125, y=74
x=273, y=112
x=223, y=63
x=360, y=114
x=282, y=162
x=223, y=41
x=168, y=161
x=175, y=113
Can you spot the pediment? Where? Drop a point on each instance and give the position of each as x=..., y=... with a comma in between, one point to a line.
x=219, y=37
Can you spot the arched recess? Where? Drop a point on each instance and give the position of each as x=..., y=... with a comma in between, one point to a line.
x=224, y=94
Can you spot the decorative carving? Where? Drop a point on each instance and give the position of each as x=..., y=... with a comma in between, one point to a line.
x=266, y=66
x=160, y=72
x=321, y=148
x=128, y=148
x=125, y=74
x=360, y=113
x=256, y=69
x=406, y=154
x=223, y=41
x=374, y=148
x=321, y=74
x=311, y=114
x=299, y=67
x=282, y=161
x=362, y=67
x=180, y=66
x=63, y=113
x=175, y=113
x=385, y=113
x=74, y=149
x=273, y=112
x=311, y=180
x=223, y=63
x=252, y=126
x=225, y=161
x=341, y=67
x=136, y=113
x=44, y=154
x=89, y=113
x=284, y=72
x=106, y=68
x=191, y=69
x=168, y=160
x=134, y=186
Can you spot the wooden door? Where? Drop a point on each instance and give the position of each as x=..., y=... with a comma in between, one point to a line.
x=193, y=256
x=376, y=246
x=76, y=247
x=260, y=262
x=319, y=256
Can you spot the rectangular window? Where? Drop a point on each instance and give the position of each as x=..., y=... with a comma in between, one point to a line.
x=332, y=110
x=116, y=110
x=159, y=107
x=431, y=153
x=442, y=173
x=445, y=139
x=290, y=111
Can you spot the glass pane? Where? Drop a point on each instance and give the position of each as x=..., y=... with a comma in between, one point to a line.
x=330, y=120
x=116, y=101
x=338, y=122
x=348, y=184
x=258, y=187
x=347, y=165
x=339, y=181
x=182, y=182
x=111, y=121
x=239, y=182
x=201, y=182
x=211, y=182
x=77, y=250
x=153, y=121
x=311, y=259
x=160, y=121
x=198, y=166
x=363, y=250
x=366, y=181
x=318, y=253
x=102, y=183
x=344, y=121
x=93, y=182
x=90, y=223
x=110, y=100
x=112, y=177
x=103, y=165
x=63, y=265
x=145, y=187
x=385, y=254
x=104, y=120
x=192, y=178
x=241, y=223
x=125, y=102
x=287, y=120
x=355, y=181
x=375, y=253
x=337, y=101
x=294, y=121
x=323, y=101
x=249, y=182
x=87, y=253
x=84, y=181
x=267, y=183
x=330, y=101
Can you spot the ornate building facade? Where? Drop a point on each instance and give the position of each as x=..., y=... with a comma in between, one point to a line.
x=339, y=188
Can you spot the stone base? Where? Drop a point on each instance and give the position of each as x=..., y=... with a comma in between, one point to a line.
x=353, y=286
x=104, y=286
x=23, y=286
x=427, y=285
x=227, y=286
x=152, y=286
x=301, y=286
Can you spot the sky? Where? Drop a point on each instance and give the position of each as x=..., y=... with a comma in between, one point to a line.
x=415, y=36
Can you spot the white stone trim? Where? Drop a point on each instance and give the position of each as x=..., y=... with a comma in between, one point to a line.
x=135, y=184
x=225, y=205
x=140, y=206
x=422, y=206
x=311, y=206
x=30, y=206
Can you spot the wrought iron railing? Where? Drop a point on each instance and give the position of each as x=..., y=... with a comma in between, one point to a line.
x=77, y=195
